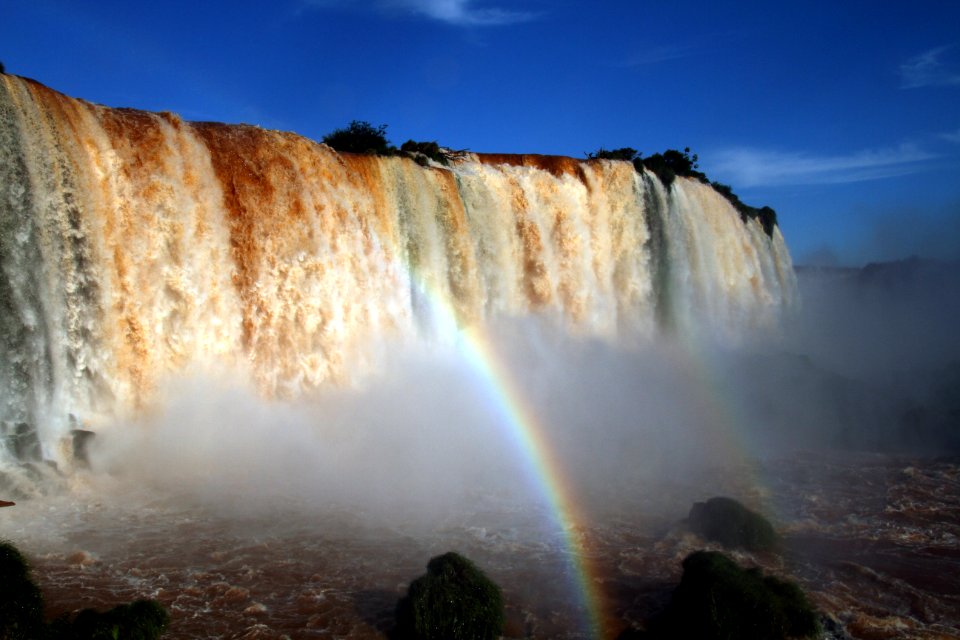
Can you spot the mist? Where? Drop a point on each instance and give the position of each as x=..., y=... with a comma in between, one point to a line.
x=868, y=361
x=424, y=437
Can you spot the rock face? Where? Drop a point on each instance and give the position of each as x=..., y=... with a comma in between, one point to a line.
x=80, y=439
x=22, y=441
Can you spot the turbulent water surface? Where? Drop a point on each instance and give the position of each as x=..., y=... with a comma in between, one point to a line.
x=873, y=539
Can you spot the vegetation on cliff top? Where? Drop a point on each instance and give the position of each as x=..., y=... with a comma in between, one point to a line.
x=362, y=137
x=672, y=163
x=667, y=165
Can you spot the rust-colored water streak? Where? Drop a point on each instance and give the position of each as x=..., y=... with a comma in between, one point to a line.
x=168, y=247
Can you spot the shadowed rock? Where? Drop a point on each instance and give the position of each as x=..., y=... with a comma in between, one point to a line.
x=728, y=522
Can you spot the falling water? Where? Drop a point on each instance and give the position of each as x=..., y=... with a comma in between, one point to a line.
x=137, y=247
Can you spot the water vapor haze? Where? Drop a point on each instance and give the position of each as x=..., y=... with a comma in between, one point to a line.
x=424, y=437
x=864, y=364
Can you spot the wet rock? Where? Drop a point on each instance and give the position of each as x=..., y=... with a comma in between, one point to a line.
x=22, y=441
x=81, y=446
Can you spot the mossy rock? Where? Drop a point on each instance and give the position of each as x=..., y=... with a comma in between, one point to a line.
x=21, y=604
x=454, y=600
x=139, y=620
x=719, y=600
x=21, y=611
x=728, y=522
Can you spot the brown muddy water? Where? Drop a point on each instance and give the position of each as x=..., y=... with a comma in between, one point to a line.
x=874, y=539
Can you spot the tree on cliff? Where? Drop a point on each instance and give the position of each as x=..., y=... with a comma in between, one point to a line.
x=672, y=163
x=624, y=153
x=360, y=137
x=2, y=70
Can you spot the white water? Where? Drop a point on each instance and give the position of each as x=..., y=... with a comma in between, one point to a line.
x=137, y=249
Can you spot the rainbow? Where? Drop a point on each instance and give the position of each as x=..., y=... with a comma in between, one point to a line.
x=529, y=436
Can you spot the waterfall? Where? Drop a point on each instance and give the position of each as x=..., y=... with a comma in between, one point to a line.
x=136, y=247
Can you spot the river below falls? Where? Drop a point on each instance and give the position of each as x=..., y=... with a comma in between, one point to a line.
x=874, y=539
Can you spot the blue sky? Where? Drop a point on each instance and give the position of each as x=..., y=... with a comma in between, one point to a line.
x=843, y=116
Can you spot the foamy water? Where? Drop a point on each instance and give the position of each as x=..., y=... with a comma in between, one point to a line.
x=139, y=248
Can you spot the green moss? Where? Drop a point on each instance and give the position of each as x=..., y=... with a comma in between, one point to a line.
x=454, y=600
x=728, y=522
x=719, y=600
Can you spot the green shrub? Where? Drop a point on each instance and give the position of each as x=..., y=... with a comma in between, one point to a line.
x=21, y=604
x=728, y=522
x=360, y=137
x=454, y=600
x=717, y=599
x=670, y=164
x=432, y=150
x=624, y=153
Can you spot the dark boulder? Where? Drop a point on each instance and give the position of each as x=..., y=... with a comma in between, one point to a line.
x=728, y=522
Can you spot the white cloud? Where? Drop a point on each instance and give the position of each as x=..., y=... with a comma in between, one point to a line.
x=455, y=12
x=745, y=167
x=951, y=136
x=930, y=69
